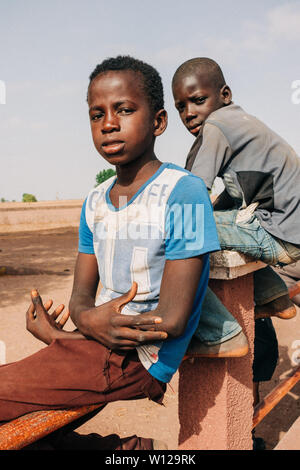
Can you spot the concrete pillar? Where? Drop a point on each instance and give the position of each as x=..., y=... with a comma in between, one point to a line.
x=215, y=395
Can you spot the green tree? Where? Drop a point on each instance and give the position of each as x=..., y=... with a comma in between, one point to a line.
x=104, y=175
x=28, y=198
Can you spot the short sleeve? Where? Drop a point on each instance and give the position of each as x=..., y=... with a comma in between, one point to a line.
x=85, y=244
x=190, y=228
x=212, y=155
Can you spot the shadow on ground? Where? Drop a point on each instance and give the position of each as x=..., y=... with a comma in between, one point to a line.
x=34, y=260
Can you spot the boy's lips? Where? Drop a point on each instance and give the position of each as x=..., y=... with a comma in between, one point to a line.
x=112, y=147
x=195, y=129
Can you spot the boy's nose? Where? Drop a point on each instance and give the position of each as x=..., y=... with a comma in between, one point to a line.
x=190, y=113
x=110, y=124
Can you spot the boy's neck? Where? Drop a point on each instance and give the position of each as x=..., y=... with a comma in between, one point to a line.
x=137, y=172
x=131, y=177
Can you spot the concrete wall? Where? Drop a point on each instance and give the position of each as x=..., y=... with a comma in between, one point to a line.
x=44, y=215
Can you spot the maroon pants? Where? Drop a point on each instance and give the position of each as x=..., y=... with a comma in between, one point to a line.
x=70, y=373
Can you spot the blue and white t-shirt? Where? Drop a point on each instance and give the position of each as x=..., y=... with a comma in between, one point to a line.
x=170, y=217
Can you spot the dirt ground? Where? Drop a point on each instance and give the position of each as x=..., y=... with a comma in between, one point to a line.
x=45, y=260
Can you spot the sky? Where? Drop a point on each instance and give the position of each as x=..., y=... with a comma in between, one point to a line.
x=49, y=48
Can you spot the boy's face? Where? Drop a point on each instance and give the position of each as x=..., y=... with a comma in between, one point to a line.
x=122, y=123
x=195, y=99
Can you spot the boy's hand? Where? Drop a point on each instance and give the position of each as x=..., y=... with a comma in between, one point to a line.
x=40, y=323
x=107, y=325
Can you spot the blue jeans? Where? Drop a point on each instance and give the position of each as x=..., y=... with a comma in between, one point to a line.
x=216, y=324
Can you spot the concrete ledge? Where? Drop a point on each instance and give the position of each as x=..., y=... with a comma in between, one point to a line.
x=43, y=215
x=228, y=264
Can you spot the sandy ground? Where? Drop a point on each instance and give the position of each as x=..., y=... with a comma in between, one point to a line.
x=45, y=260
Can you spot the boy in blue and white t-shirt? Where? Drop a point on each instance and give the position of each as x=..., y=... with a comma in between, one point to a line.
x=133, y=242
x=146, y=235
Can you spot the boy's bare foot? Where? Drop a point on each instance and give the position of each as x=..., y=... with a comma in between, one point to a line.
x=234, y=347
x=282, y=307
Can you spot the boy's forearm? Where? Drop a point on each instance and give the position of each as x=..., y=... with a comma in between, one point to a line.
x=174, y=317
x=178, y=288
x=173, y=321
x=78, y=305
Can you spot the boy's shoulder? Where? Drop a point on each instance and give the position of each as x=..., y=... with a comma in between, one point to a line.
x=173, y=167
x=235, y=123
x=185, y=177
x=188, y=188
x=227, y=113
x=182, y=171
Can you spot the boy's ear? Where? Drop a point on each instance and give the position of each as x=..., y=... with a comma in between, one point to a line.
x=226, y=95
x=160, y=122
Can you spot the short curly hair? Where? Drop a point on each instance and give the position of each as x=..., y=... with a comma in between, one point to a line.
x=151, y=80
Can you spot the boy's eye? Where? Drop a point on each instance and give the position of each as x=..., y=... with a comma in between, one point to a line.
x=200, y=100
x=125, y=110
x=97, y=116
x=179, y=107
